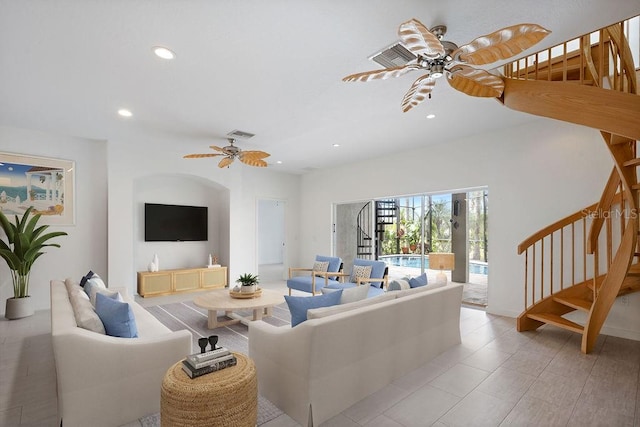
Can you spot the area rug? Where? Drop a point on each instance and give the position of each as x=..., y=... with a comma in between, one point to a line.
x=185, y=315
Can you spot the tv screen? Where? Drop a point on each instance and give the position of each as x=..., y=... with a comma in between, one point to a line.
x=174, y=223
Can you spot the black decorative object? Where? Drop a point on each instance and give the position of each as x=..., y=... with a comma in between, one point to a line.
x=202, y=342
x=213, y=340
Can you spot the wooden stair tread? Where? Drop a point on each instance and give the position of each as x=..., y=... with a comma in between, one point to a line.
x=632, y=162
x=559, y=321
x=573, y=302
x=634, y=270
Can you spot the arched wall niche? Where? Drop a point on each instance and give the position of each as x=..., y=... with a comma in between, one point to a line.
x=181, y=189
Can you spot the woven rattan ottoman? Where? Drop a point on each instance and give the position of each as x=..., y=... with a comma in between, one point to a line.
x=228, y=397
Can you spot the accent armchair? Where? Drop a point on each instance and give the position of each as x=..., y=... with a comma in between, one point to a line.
x=315, y=279
x=377, y=277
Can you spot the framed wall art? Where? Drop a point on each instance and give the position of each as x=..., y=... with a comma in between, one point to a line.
x=47, y=184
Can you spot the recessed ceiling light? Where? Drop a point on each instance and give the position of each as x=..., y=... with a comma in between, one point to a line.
x=336, y=145
x=163, y=52
x=124, y=112
x=279, y=162
x=430, y=116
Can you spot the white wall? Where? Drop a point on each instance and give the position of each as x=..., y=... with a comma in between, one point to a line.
x=132, y=160
x=178, y=190
x=535, y=173
x=85, y=247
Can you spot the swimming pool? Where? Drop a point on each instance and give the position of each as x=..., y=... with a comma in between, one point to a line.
x=414, y=262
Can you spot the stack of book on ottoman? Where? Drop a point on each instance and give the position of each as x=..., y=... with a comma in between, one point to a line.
x=199, y=364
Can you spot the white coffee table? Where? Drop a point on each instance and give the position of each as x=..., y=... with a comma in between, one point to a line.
x=220, y=300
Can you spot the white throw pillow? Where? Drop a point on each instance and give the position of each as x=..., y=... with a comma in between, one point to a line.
x=398, y=285
x=71, y=285
x=350, y=294
x=86, y=316
x=94, y=281
x=316, y=313
x=105, y=291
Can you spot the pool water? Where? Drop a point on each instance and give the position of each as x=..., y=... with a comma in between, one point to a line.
x=414, y=262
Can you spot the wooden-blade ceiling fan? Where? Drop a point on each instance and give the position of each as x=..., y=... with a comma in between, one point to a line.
x=438, y=57
x=231, y=152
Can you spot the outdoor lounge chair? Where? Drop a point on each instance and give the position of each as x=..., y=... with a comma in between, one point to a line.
x=378, y=279
x=314, y=280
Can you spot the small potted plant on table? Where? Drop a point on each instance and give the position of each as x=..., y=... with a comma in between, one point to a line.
x=249, y=282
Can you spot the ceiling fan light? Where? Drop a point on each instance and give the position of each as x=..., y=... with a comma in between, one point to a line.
x=436, y=75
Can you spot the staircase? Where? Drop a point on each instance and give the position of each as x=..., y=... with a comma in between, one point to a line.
x=385, y=214
x=579, y=265
x=364, y=248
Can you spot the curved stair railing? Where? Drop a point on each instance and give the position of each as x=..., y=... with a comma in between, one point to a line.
x=364, y=245
x=604, y=254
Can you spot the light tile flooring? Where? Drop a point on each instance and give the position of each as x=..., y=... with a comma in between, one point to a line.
x=495, y=377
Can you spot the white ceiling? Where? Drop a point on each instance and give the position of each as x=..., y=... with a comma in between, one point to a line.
x=270, y=67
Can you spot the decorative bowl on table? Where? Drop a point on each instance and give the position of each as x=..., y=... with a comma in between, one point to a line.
x=245, y=295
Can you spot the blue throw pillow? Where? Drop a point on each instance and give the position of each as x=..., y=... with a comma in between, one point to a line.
x=298, y=306
x=117, y=317
x=421, y=280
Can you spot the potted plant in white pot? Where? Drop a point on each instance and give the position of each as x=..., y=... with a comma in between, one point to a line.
x=248, y=282
x=22, y=247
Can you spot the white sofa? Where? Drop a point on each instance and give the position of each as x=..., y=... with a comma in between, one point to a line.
x=110, y=381
x=324, y=365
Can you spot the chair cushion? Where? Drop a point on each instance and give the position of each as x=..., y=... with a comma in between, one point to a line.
x=298, y=306
x=334, y=262
x=303, y=283
x=416, y=282
x=350, y=294
x=377, y=269
x=117, y=317
x=360, y=272
x=320, y=266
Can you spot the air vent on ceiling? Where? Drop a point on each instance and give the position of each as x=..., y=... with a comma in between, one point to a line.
x=241, y=134
x=395, y=55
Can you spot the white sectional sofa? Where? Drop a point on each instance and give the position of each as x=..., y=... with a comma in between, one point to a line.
x=342, y=354
x=105, y=380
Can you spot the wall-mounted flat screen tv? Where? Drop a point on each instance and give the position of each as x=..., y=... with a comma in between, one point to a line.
x=175, y=223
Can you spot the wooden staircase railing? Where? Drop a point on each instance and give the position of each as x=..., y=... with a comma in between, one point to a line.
x=603, y=255
x=557, y=256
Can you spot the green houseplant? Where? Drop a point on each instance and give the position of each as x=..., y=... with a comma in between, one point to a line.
x=22, y=247
x=249, y=282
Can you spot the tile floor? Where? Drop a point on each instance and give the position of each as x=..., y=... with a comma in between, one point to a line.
x=495, y=377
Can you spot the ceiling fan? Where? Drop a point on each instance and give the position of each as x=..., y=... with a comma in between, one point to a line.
x=438, y=57
x=230, y=152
